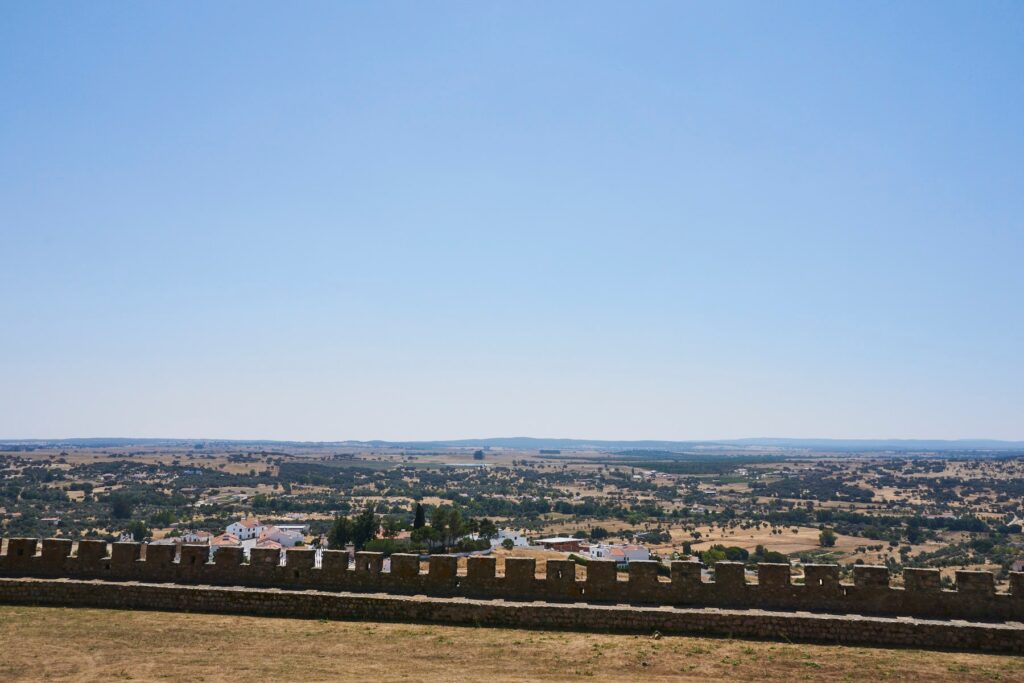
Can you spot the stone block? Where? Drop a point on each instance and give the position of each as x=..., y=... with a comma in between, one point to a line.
x=773, y=577
x=405, y=565
x=730, y=580
x=265, y=557
x=686, y=575
x=481, y=568
x=1017, y=585
x=442, y=569
x=369, y=563
x=228, y=557
x=335, y=562
x=301, y=558
x=601, y=575
x=520, y=573
x=21, y=548
x=977, y=583
x=194, y=555
x=643, y=573
x=56, y=551
x=822, y=577
x=922, y=580
x=160, y=555
x=871, y=577
x=560, y=571
x=92, y=554
x=125, y=555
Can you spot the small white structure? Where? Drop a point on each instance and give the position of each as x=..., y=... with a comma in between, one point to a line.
x=245, y=529
x=518, y=540
x=621, y=554
x=285, y=537
x=193, y=536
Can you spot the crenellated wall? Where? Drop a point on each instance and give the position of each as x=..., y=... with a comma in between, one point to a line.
x=309, y=604
x=870, y=593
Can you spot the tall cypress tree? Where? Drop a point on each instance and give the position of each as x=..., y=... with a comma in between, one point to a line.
x=420, y=520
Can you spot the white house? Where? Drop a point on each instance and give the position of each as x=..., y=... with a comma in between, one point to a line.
x=193, y=536
x=621, y=554
x=286, y=538
x=245, y=529
x=518, y=540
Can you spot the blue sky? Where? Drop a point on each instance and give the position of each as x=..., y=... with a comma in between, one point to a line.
x=442, y=220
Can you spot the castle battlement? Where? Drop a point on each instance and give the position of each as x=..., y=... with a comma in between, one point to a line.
x=870, y=593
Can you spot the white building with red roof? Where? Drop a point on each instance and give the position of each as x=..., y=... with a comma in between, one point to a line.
x=286, y=537
x=621, y=554
x=245, y=529
x=225, y=540
x=193, y=536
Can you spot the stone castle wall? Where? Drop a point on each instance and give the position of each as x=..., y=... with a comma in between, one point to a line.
x=870, y=593
x=309, y=604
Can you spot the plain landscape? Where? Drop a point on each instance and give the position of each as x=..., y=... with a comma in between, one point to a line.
x=949, y=509
x=459, y=341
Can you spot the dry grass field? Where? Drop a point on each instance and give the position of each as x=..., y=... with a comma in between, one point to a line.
x=55, y=644
x=804, y=538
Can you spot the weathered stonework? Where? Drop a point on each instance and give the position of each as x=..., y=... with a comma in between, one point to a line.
x=750, y=623
x=870, y=592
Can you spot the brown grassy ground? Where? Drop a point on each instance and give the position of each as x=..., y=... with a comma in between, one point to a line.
x=101, y=645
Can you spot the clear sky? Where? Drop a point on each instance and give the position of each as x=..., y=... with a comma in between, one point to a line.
x=439, y=220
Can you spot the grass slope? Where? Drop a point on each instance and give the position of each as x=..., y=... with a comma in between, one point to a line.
x=42, y=643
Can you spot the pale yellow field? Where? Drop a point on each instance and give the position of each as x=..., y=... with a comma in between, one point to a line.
x=56, y=644
x=805, y=538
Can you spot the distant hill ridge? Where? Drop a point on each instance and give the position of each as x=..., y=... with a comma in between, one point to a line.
x=533, y=443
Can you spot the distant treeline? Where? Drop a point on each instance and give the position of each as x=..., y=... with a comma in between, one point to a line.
x=689, y=464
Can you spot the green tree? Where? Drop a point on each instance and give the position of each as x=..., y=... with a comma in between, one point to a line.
x=439, y=518
x=391, y=525
x=448, y=523
x=827, y=538
x=457, y=526
x=712, y=555
x=340, y=534
x=364, y=526
x=508, y=544
x=478, y=455
x=419, y=519
x=487, y=529
x=163, y=518
x=121, y=506
x=424, y=537
x=138, y=530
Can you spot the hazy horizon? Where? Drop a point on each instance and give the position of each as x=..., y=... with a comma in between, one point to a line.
x=797, y=442
x=658, y=222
